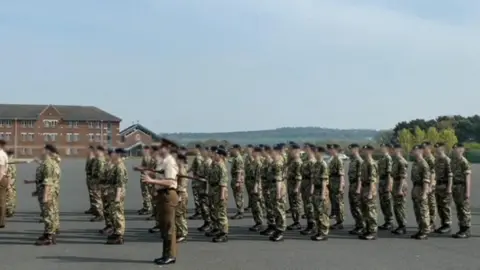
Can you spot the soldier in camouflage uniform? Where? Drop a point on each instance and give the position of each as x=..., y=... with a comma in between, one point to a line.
x=106, y=190
x=399, y=190
x=218, y=183
x=432, y=203
x=49, y=181
x=256, y=196
x=267, y=190
x=146, y=188
x=336, y=186
x=11, y=195
x=208, y=171
x=98, y=172
x=197, y=186
x=88, y=174
x=420, y=176
x=117, y=184
x=355, y=187
x=294, y=181
x=279, y=193
x=155, y=163
x=385, y=187
x=237, y=182
x=181, y=210
x=443, y=188
x=200, y=168
x=249, y=160
x=57, y=160
x=369, y=180
x=321, y=199
x=308, y=173
x=461, y=190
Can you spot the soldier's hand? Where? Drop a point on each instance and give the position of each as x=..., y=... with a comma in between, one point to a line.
x=296, y=190
x=400, y=193
x=449, y=191
x=370, y=196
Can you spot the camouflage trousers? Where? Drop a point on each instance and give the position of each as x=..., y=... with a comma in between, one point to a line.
x=249, y=185
x=220, y=212
x=89, y=189
x=444, y=203
x=369, y=210
x=307, y=200
x=196, y=193
x=107, y=199
x=337, y=200
x=420, y=207
x=146, y=196
x=257, y=209
x=355, y=202
x=115, y=211
x=181, y=215
x=203, y=202
x=279, y=206
x=11, y=202
x=321, y=206
x=295, y=201
x=211, y=210
x=399, y=203
x=385, y=197
x=268, y=205
x=51, y=216
x=462, y=205
x=432, y=204
x=95, y=194
x=238, y=196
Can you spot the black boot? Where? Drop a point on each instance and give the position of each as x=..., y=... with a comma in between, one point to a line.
x=368, y=236
x=337, y=226
x=212, y=233
x=463, y=233
x=400, y=230
x=277, y=236
x=294, y=227
x=319, y=237
x=256, y=228
x=220, y=238
x=310, y=229
x=268, y=231
x=445, y=228
x=387, y=226
x=205, y=227
x=356, y=231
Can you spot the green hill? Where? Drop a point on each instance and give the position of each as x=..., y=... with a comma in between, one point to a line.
x=298, y=134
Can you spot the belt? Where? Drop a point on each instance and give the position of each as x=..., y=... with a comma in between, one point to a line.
x=417, y=184
x=165, y=190
x=442, y=183
x=459, y=183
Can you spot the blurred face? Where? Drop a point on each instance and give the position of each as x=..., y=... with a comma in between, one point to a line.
x=417, y=152
x=354, y=151
x=397, y=151
x=384, y=150
x=440, y=150
x=459, y=150
x=368, y=152
x=319, y=154
x=163, y=151
x=426, y=150
x=391, y=151
x=249, y=150
x=146, y=151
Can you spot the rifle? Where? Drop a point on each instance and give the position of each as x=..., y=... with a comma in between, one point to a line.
x=143, y=170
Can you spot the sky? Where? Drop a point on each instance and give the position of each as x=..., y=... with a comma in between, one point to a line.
x=237, y=65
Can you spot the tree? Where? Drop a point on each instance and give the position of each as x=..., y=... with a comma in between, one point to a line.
x=384, y=136
x=406, y=140
x=420, y=135
x=448, y=137
x=432, y=135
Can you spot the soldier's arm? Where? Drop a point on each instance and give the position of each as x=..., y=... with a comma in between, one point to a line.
x=341, y=171
x=402, y=173
x=240, y=169
x=324, y=177
x=389, y=173
x=48, y=179
x=426, y=178
x=298, y=174
x=372, y=178
x=95, y=169
x=278, y=177
x=224, y=183
x=466, y=169
x=258, y=176
x=449, y=173
x=358, y=177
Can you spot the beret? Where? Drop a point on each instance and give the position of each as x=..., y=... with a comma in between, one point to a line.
x=426, y=143
x=295, y=146
x=183, y=148
x=277, y=148
x=321, y=149
x=213, y=148
x=182, y=157
x=291, y=142
x=91, y=147
x=146, y=147
x=168, y=143
x=267, y=148
x=119, y=151
x=257, y=149
x=221, y=146
x=336, y=146
x=198, y=146
x=418, y=146
x=236, y=146
x=388, y=145
x=10, y=152
x=368, y=147
x=110, y=151
x=439, y=144
x=353, y=145
x=249, y=146
x=221, y=152
x=397, y=145
x=155, y=148
x=329, y=146
x=51, y=148
x=458, y=145
x=261, y=145
x=100, y=148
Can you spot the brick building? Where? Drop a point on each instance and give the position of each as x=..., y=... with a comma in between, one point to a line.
x=27, y=128
x=135, y=137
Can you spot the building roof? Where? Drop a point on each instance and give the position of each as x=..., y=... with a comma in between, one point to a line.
x=142, y=128
x=68, y=112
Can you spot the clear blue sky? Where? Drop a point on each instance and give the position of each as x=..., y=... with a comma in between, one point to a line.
x=228, y=65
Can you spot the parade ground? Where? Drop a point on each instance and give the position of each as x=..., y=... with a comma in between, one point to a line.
x=80, y=246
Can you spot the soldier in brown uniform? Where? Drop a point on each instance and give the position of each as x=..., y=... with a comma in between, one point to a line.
x=167, y=201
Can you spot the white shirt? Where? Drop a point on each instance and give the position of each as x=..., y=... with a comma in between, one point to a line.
x=3, y=163
x=170, y=167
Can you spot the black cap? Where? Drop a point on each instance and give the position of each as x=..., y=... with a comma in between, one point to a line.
x=439, y=144
x=155, y=148
x=166, y=143
x=10, y=152
x=368, y=147
x=182, y=157
x=458, y=145
x=397, y=146
x=277, y=148
x=249, y=145
x=388, y=145
x=221, y=146
x=100, y=148
x=426, y=143
x=294, y=146
x=236, y=146
x=2, y=143
x=257, y=149
x=291, y=142
x=261, y=145
x=336, y=146
x=51, y=148
x=110, y=151
x=221, y=152
x=183, y=148
x=321, y=149
x=267, y=147
x=146, y=147
x=418, y=146
x=90, y=147
x=353, y=145
x=120, y=151
x=198, y=146
x=329, y=146
x=213, y=148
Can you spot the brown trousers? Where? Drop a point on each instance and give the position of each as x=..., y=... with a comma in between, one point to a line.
x=3, y=201
x=167, y=201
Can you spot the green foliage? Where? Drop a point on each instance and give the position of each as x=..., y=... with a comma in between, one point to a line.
x=406, y=140
x=384, y=136
x=448, y=137
x=432, y=135
x=419, y=135
x=472, y=146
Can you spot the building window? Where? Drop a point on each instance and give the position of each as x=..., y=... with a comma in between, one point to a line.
x=50, y=137
x=98, y=137
x=6, y=137
x=91, y=137
x=67, y=151
x=7, y=123
x=30, y=137
x=29, y=151
x=90, y=124
x=75, y=137
x=73, y=124
x=97, y=125
x=69, y=137
x=23, y=137
x=23, y=152
x=27, y=123
x=74, y=151
x=50, y=123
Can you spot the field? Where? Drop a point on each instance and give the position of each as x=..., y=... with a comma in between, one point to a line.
x=80, y=247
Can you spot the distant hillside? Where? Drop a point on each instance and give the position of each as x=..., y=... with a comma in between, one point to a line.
x=300, y=134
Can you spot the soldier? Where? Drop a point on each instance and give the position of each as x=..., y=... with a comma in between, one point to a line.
x=145, y=189
x=355, y=187
x=88, y=173
x=256, y=196
x=238, y=177
x=4, y=183
x=432, y=203
x=107, y=197
x=308, y=173
x=156, y=163
x=336, y=186
x=197, y=185
x=11, y=192
x=181, y=211
x=369, y=180
x=267, y=190
x=48, y=185
x=420, y=176
x=98, y=172
x=200, y=168
x=385, y=187
x=443, y=188
x=321, y=200
x=461, y=190
x=249, y=164
x=56, y=194
x=218, y=183
x=208, y=172
x=399, y=190
x=279, y=196
x=294, y=181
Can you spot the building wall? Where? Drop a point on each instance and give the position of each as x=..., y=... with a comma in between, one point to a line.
x=72, y=138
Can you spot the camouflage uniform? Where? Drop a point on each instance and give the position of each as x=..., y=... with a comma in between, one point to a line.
x=38, y=188
x=257, y=199
x=267, y=191
x=106, y=190
x=145, y=188
x=56, y=158
x=369, y=175
x=249, y=178
x=118, y=179
x=11, y=196
x=98, y=172
x=461, y=169
x=88, y=173
x=336, y=170
x=321, y=203
x=399, y=175
x=279, y=204
x=385, y=173
x=355, y=200
x=308, y=173
x=50, y=175
x=444, y=176
x=294, y=176
x=208, y=212
x=420, y=176
x=198, y=187
x=154, y=165
x=238, y=166
x=218, y=179
x=432, y=202
x=181, y=210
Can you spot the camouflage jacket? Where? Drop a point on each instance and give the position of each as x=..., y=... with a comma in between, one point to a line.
x=460, y=169
x=355, y=170
x=335, y=167
x=88, y=167
x=443, y=170
x=218, y=176
x=12, y=174
x=182, y=182
x=49, y=173
x=294, y=171
x=430, y=159
x=399, y=168
x=369, y=172
x=257, y=172
x=98, y=170
x=308, y=171
x=420, y=172
x=276, y=170
x=250, y=166
x=118, y=176
x=321, y=174
x=385, y=167
x=238, y=166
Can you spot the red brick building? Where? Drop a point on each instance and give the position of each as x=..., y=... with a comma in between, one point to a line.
x=27, y=128
x=135, y=137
